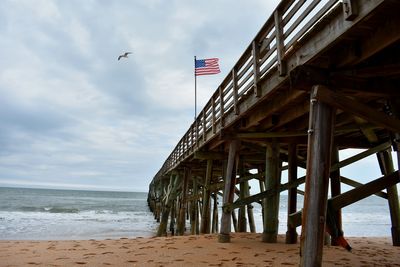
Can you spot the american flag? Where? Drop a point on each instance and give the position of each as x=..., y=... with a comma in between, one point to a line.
x=206, y=66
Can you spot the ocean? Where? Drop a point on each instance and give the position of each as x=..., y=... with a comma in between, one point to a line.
x=47, y=214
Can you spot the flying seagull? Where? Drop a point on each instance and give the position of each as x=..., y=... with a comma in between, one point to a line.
x=124, y=55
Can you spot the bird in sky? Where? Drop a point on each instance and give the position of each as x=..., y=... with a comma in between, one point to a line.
x=124, y=55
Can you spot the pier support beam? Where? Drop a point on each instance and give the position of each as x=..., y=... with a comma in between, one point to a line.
x=214, y=228
x=387, y=167
x=242, y=223
x=250, y=207
x=205, y=216
x=168, y=199
x=182, y=212
x=321, y=127
x=336, y=190
x=271, y=204
x=291, y=234
x=194, y=210
x=229, y=190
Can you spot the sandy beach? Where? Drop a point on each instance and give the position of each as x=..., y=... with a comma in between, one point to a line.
x=245, y=250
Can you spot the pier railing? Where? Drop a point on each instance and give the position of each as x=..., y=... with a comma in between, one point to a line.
x=291, y=21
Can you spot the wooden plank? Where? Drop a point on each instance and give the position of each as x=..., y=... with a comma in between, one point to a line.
x=280, y=46
x=364, y=191
x=320, y=139
x=357, y=108
x=209, y=155
x=235, y=92
x=221, y=104
x=256, y=68
x=269, y=134
x=353, y=183
x=361, y=155
x=214, y=119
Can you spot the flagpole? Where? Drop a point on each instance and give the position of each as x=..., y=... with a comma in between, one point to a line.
x=195, y=90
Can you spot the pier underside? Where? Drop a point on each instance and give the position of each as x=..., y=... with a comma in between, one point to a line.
x=318, y=78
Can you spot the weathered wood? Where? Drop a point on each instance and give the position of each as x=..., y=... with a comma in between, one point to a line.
x=234, y=221
x=173, y=217
x=353, y=195
x=280, y=46
x=321, y=127
x=214, y=225
x=205, y=216
x=250, y=214
x=291, y=234
x=235, y=92
x=271, y=204
x=357, y=108
x=256, y=67
x=205, y=155
x=242, y=222
x=353, y=183
x=182, y=212
x=393, y=197
x=194, y=227
x=169, y=197
x=335, y=191
x=224, y=235
x=364, y=191
x=270, y=135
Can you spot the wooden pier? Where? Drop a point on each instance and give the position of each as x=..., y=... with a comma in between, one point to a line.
x=319, y=77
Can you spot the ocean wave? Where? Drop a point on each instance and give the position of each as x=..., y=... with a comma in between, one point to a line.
x=49, y=209
x=63, y=210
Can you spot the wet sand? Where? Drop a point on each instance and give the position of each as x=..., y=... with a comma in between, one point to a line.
x=245, y=250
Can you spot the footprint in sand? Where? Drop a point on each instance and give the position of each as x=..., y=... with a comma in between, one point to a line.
x=81, y=262
x=62, y=258
x=107, y=252
x=89, y=254
x=33, y=263
x=140, y=254
x=131, y=261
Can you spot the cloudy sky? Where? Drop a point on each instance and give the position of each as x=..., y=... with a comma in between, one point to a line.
x=73, y=116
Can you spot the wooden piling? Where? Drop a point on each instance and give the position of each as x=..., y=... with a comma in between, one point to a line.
x=194, y=226
x=393, y=197
x=250, y=207
x=272, y=181
x=291, y=234
x=321, y=128
x=242, y=222
x=336, y=190
x=168, y=201
x=205, y=215
x=224, y=235
x=214, y=224
x=182, y=212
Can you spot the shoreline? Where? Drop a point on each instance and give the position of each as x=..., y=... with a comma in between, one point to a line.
x=246, y=249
